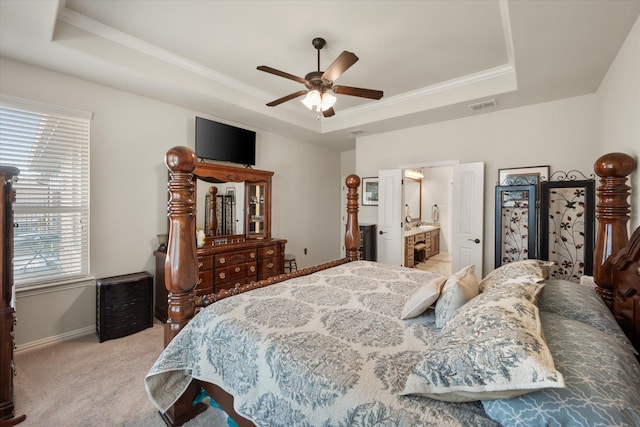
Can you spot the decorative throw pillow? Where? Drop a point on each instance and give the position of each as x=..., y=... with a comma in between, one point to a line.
x=524, y=268
x=422, y=298
x=582, y=303
x=603, y=382
x=492, y=348
x=459, y=288
x=545, y=266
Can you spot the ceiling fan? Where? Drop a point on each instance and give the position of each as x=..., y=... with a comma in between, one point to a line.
x=319, y=84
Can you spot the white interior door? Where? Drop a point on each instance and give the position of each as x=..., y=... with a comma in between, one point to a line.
x=468, y=216
x=390, y=216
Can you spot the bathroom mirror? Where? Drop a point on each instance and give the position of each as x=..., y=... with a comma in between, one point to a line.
x=413, y=199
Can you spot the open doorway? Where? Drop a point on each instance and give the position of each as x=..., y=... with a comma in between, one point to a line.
x=397, y=237
x=428, y=197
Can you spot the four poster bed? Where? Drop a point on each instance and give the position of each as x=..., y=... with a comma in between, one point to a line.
x=353, y=342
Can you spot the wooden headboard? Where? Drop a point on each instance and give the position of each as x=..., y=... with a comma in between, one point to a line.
x=616, y=259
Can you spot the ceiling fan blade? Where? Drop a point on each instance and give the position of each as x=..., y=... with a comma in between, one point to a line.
x=340, y=65
x=281, y=74
x=356, y=91
x=328, y=113
x=286, y=98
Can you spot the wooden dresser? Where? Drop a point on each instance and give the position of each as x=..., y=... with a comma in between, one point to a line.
x=229, y=261
x=226, y=266
x=7, y=312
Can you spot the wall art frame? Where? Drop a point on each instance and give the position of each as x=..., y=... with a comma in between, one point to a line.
x=370, y=191
x=524, y=175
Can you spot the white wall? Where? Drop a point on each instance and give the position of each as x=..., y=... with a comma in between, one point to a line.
x=618, y=100
x=129, y=137
x=562, y=134
x=437, y=190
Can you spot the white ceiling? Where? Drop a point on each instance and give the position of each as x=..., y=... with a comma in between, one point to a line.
x=431, y=58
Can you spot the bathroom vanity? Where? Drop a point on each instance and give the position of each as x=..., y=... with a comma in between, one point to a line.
x=421, y=243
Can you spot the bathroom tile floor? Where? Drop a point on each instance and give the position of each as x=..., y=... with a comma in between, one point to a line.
x=440, y=263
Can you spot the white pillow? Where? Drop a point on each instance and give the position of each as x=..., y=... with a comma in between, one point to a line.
x=422, y=298
x=459, y=288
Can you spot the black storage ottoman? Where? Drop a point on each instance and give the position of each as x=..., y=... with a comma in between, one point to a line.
x=124, y=305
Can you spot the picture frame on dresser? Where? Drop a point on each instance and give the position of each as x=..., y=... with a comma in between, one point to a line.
x=370, y=191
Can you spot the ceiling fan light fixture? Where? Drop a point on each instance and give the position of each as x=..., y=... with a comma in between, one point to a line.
x=320, y=91
x=328, y=101
x=312, y=99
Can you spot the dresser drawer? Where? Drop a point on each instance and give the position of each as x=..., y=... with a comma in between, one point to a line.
x=268, y=268
x=232, y=258
x=268, y=252
x=204, y=288
x=252, y=270
x=206, y=263
x=233, y=272
x=229, y=285
x=205, y=278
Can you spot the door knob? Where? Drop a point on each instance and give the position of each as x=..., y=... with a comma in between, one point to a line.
x=474, y=240
x=381, y=232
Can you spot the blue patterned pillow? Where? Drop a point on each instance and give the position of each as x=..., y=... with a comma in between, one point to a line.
x=530, y=268
x=602, y=378
x=492, y=348
x=581, y=303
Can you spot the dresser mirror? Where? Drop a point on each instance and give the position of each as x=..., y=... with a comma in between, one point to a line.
x=228, y=203
x=232, y=202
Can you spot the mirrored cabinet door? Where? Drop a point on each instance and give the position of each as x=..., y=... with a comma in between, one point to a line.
x=257, y=198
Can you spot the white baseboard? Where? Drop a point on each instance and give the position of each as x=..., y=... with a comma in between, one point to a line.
x=55, y=339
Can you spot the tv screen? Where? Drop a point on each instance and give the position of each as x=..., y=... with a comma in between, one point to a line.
x=217, y=141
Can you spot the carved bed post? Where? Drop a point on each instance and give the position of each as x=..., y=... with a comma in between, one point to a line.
x=352, y=235
x=612, y=212
x=181, y=264
x=212, y=224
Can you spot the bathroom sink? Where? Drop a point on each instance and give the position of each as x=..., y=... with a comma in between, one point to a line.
x=426, y=227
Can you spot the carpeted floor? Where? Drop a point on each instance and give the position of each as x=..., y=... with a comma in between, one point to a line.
x=83, y=382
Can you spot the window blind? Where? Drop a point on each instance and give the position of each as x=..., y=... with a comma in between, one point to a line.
x=50, y=146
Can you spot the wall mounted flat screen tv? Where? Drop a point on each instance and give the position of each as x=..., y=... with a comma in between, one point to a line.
x=218, y=141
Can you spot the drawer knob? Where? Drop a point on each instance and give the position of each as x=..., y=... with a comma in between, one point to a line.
x=237, y=270
x=252, y=269
x=270, y=252
x=222, y=275
x=200, y=265
x=270, y=265
x=222, y=260
x=252, y=255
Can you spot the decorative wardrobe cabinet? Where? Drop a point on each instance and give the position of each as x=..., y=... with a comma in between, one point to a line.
x=229, y=261
x=7, y=312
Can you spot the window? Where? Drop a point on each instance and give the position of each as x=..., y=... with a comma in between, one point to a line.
x=50, y=146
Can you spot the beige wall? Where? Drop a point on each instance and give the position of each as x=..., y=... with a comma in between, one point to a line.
x=561, y=134
x=618, y=100
x=129, y=137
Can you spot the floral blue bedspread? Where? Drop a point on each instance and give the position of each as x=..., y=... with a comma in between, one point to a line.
x=327, y=349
